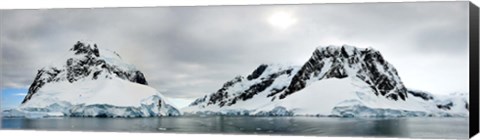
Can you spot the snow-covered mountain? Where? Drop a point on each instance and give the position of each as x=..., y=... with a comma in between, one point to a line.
x=336, y=80
x=92, y=82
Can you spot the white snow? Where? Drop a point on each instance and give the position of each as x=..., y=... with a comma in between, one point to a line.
x=338, y=97
x=112, y=58
x=114, y=97
x=115, y=92
x=319, y=97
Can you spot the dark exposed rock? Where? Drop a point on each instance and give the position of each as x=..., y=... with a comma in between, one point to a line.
x=95, y=50
x=466, y=105
x=95, y=75
x=392, y=96
x=250, y=92
x=138, y=77
x=87, y=62
x=255, y=74
x=221, y=94
x=199, y=101
x=256, y=88
x=425, y=96
x=81, y=48
x=369, y=65
x=446, y=106
x=275, y=91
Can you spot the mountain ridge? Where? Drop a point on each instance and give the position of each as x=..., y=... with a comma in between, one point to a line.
x=85, y=59
x=375, y=87
x=91, y=82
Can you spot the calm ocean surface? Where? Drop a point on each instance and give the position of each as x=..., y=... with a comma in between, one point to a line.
x=456, y=128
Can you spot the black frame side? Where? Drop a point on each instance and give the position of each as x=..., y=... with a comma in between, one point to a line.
x=474, y=69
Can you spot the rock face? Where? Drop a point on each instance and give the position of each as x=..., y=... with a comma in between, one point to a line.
x=223, y=97
x=85, y=63
x=91, y=82
x=421, y=94
x=340, y=62
x=373, y=85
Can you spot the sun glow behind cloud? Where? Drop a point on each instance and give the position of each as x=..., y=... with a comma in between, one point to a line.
x=282, y=19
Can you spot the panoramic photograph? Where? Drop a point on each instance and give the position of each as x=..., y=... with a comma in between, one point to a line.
x=353, y=70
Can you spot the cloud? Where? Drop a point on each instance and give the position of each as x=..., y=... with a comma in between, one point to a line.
x=19, y=94
x=191, y=51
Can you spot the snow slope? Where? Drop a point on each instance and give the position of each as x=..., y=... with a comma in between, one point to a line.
x=337, y=97
x=104, y=97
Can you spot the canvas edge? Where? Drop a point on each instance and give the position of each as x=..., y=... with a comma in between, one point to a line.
x=474, y=69
x=474, y=58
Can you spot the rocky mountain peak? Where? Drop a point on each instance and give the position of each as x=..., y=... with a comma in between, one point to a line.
x=86, y=63
x=366, y=64
x=360, y=64
x=81, y=48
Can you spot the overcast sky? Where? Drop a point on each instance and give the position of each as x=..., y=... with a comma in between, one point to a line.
x=187, y=52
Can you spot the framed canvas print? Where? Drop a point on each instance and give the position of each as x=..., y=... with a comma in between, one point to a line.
x=388, y=70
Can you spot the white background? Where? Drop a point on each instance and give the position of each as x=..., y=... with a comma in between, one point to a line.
x=51, y=135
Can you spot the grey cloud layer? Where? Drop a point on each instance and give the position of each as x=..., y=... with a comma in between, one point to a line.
x=191, y=51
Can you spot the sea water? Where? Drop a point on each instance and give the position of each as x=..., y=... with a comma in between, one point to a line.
x=456, y=128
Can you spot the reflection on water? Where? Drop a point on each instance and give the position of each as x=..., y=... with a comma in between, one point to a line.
x=397, y=127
